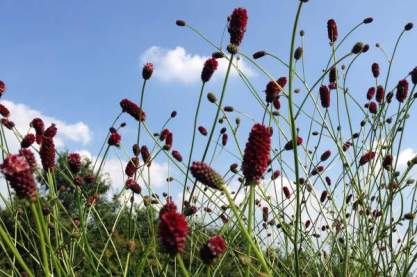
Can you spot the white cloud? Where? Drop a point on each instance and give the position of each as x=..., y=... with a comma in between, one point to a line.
x=22, y=115
x=178, y=65
x=404, y=156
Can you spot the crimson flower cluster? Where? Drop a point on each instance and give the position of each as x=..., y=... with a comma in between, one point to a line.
x=206, y=175
x=256, y=155
x=209, y=67
x=332, y=30
x=133, y=110
x=237, y=25
x=173, y=229
x=18, y=172
x=74, y=162
x=212, y=249
x=147, y=71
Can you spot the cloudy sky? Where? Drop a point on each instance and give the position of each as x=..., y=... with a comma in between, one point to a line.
x=73, y=61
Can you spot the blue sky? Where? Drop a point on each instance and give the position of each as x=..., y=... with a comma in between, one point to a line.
x=75, y=60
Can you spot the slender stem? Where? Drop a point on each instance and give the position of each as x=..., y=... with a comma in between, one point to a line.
x=192, y=141
x=294, y=142
x=42, y=239
x=182, y=266
x=213, y=127
x=141, y=106
x=250, y=219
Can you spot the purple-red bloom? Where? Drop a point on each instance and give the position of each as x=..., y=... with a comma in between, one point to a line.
x=132, y=166
x=273, y=88
x=375, y=70
x=202, y=130
x=413, y=74
x=2, y=88
x=74, y=162
x=173, y=231
x=402, y=90
x=114, y=139
x=368, y=156
x=332, y=30
x=4, y=111
x=325, y=96
x=373, y=107
x=27, y=140
x=18, y=172
x=380, y=94
x=133, y=186
x=147, y=71
x=326, y=154
x=209, y=67
x=177, y=155
x=237, y=25
x=256, y=156
x=289, y=146
x=212, y=249
x=371, y=93
x=50, y=131
x=47, y=153
x=132, y=109
x=30, y=158
x=206, y=175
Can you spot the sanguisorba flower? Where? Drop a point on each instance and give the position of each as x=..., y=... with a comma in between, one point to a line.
x=371, y=93
x=289, y=146
x=332, y=30
x=209, y=67
x=173, y=231
x=237, y=25
x=114, y=139
x=413, y=74
x=30, y=158
x=4, y=111
x=373, y=107
x=256, y=155
x=74, y=162
x=380, y=94
x=273, y=88
x=402, y=90
x=27, y=140
x=375, y=70
x=212, y=249
x=206, y=175
x=147, y=71
x=18, y=172
x=133, y=110
x=367, y=157
x=2, y=88
x=132, y=166
x=47, y=153
x=325, y=96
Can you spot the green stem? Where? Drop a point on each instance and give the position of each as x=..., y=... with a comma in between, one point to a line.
x=141, y=104
x=6, y=238
x=42, y=239
x=192, y=141
x=245, y=232
x=182, y=266
x=250, y=219
x=215, y=118
x=294, y=141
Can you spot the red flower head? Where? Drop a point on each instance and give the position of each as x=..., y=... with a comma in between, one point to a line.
x=288, y=145
x=168, y=207
x=202, y=130
x=413, y=74
x=256, y=156
x=30, y=158
x=333, y=75
x=325, y=155
x=209, y=67
x=332, y=30
x=27, y=140
x=206, y=175
x=38, y=125
x=277, y=103
x=325, y=96
x=132, y=166
x=375, y=70
x=4, y=111
x=168, y=141
x=133, y=186
x=133, y=110
x=212, y=249
x=50, y=131
x=373, y=107
x=177, y=155
x=18, y=172
x=7, y=123
x=286, y=191
x=273, y=88
x=147, y=71
x=368, y=156
x=402, y=90
x=224, y=139
x=275, y=174
x=114, y=139
x=2, y=88
x=237, y=25
x=380, y=94
x=146, y=155
x=387, y=162
x=371, y=93
x=74, y=162
x=173, y=231
x=47, y=153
